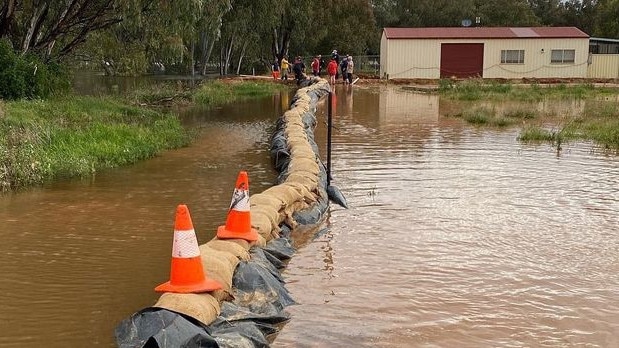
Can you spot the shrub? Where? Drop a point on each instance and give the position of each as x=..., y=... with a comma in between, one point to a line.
x=28, y=77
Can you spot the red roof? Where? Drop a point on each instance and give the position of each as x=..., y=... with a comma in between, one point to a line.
x=484, y=33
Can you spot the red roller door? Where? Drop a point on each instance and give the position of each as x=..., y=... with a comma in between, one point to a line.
x=462, y=60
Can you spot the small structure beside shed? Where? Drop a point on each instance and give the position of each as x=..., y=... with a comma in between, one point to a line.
x=604, y=61
x=484, y=52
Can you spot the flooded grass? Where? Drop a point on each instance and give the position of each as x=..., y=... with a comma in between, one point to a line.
x=220, y=92
x=483, y=116
x=41, y=140
x=77, y=136
x=538, y=134
x=478, y=89
x=161, y=94
x=599, y=122
x=206, y=93
x=600, y=125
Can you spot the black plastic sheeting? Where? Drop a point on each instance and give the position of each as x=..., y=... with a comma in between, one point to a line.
x=258, y=307
x=260, y=297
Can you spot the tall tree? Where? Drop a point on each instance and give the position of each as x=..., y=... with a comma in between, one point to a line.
x=581, y=14
x=345, y=25
x=501, y=13
x=176, y=34
x=53, y=28
x=448, y=13
x=548, y=12
x=291, y=28
x=242, y=32
x=607, y=24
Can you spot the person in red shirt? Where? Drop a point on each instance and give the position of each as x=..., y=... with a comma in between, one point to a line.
x=316, y=66
x=332, y=70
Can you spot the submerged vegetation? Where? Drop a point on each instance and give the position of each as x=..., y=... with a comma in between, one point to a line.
x=600, y=125
x=478, y=89
x=599, y=122
x=220, y=92
x=490, y=117
x=42, y=140
x=208, y=93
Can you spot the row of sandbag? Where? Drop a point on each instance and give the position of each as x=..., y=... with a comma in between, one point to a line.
x=253, y=297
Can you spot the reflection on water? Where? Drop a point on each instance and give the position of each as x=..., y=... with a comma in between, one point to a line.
x=456, y=237
x=96, y=83
x=399, y=106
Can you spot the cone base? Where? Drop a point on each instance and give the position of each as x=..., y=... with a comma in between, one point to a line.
x=223, y=233
x=204, y=286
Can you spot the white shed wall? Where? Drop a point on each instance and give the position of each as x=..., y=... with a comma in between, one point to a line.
x=536, y=62
x=420, y=58
x=384, y=55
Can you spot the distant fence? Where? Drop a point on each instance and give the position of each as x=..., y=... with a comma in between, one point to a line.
x=367, y=64
x=363, y=64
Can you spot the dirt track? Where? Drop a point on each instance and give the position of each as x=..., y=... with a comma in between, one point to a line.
x=431, y=84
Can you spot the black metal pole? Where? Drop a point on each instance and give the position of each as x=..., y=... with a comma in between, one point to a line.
x=329, y=126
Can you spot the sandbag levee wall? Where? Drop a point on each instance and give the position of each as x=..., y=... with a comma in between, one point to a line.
x=299, y=198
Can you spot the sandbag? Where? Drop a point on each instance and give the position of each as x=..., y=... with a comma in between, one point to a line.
x=202, y=307
x=230, y=247
x=230, y=258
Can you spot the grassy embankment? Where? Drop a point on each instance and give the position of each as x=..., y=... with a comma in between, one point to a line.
x=599, y=122
x=42, y=140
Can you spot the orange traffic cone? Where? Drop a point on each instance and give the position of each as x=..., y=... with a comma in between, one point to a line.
x=187, y=274
x=238, y=223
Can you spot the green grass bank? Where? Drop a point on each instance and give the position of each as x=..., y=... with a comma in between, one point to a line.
x=71, y=136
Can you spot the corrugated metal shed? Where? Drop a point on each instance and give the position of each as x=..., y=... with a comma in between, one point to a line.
x=484, y=33
x=505, y=52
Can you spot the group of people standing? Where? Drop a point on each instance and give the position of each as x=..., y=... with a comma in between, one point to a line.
x=346, y=68
x=297, y=67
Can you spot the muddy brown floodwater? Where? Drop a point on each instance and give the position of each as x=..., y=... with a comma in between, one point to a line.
x=456, y=236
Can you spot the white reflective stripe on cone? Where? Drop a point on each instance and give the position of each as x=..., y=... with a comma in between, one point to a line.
x=240, y=200
x=185, y=244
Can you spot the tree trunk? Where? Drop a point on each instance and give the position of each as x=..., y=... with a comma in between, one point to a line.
x=206, y=49
x=193, y=63
x=35, y=26
x=228, y=55
x=238, y=67
x=221, y=60
x=6, y=17
x=275, y=46
x=207, y=57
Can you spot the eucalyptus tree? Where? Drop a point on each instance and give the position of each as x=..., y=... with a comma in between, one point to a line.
x=136, y=31
x=53, y=28
x=348, y=26
x=209, y=27
x=581, y=14
x=548, y=12
x=505, y=13
x=292, y=26
x=449, y=13
x=246, y=32
x=607, y=24
x=385, y=13
x=174, y=34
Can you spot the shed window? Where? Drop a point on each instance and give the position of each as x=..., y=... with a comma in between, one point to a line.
x=512, y=56
x=562, y=56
